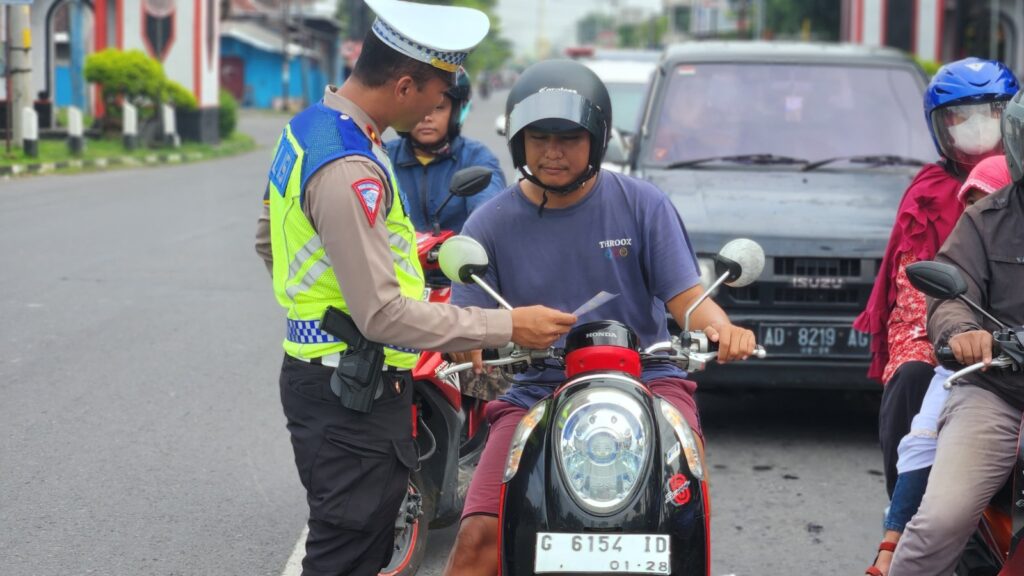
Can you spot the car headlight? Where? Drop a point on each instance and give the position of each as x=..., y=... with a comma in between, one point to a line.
x=686, y=438
x=603, y=447
x=519, y=437
x=707, y=273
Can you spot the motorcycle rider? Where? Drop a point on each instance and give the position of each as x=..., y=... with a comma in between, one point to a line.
x=979, y=426
x=426, y=157
x=564, y=232
x=962, y=104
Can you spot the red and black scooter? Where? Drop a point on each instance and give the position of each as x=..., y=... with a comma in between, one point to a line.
x=994, y=548
x=448, y=424
x=603, y=476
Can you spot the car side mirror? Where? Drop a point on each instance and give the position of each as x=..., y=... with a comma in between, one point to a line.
x=617, y=151
x=937, y=279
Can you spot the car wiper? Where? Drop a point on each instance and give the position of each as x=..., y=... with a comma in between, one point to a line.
x=874, y=161
x=761, y=159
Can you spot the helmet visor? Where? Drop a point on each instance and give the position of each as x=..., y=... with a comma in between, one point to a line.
x=556, y=111
x=968, y=133
x=1013, y=142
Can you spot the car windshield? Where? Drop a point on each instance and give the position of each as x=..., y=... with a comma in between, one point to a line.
x=627, y=101
x=810, y=112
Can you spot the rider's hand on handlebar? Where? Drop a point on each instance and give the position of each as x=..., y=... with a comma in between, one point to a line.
x=539, y=327
x=972, y=347
x=734, y=342
x=474, y=356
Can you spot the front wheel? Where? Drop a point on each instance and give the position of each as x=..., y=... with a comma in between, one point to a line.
x=411, y=527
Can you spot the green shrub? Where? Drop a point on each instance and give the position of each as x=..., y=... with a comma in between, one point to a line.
x=228, y=116
x=132, y=74
x=930, y=67
x=179, y=96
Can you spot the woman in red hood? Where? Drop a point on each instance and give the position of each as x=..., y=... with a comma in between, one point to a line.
x=963, y=106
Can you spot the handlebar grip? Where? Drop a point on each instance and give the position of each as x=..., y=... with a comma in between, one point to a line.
x=946, y=357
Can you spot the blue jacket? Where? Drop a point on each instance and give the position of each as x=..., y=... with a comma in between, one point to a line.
x=426, y=187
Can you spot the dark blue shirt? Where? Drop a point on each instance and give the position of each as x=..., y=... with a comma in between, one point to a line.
x=624, y=237
x=425, y=188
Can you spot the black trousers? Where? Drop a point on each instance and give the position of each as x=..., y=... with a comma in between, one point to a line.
x=901, y=401
x=354, y=467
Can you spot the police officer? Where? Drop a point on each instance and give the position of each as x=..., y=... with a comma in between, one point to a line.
x=337, y=239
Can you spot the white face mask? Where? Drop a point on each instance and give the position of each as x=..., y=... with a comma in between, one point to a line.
x=977, y=135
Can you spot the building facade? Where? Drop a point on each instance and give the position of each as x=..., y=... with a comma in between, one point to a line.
x=940, y=30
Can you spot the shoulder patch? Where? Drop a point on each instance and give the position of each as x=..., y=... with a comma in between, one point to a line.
x=281, y=168
x=370, y=192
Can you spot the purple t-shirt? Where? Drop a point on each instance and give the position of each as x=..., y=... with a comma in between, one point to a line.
x=624, y=238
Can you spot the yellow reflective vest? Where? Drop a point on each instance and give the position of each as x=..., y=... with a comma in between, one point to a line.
x=304, y=280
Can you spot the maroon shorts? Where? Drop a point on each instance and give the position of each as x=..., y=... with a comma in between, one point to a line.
x=485, y=488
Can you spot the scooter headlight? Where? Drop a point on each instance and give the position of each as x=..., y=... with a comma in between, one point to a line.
x=603, y=447
x=519, y=437
x=686, y=438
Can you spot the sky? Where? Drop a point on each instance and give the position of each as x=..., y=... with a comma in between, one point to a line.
x=519, y=18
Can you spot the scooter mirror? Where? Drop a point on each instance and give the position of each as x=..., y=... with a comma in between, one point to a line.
x=743, y=259
x=936, y=279
x=499, y=125
x=462, y=257
x=470, y=181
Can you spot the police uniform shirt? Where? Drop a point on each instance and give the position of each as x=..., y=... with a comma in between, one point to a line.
x=360, y=254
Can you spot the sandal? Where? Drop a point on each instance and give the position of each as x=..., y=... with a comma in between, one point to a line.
x=883, y=547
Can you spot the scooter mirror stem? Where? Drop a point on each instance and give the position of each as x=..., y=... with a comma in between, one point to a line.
x=979, y=310
x=493, y=293
x=437, y=215
x=707, y=294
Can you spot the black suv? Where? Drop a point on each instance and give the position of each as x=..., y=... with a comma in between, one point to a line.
x=806, y=149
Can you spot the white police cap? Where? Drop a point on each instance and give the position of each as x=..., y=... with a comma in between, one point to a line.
x=441, y=36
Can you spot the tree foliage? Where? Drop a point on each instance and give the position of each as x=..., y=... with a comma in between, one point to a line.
x=786, y=19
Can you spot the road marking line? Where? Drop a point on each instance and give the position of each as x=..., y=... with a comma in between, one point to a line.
x=294, y=565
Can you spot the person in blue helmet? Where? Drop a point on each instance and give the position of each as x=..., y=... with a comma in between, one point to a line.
x=963, y=105
x=979, y=426
x=426, y=157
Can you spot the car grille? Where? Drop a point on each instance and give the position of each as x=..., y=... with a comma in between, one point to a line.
x=796, y=283
x=834, y=267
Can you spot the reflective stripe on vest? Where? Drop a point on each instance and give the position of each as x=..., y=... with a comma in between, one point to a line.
x=304, y=280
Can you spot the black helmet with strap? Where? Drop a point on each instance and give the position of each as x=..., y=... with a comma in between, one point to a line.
x=1013, y=137
x=558, y=96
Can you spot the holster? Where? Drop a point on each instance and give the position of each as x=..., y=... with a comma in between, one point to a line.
x=359, y=377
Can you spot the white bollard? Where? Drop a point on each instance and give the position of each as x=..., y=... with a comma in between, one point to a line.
x=76, y=143
x=30, y=132
x=130, y=126
x=170, y=127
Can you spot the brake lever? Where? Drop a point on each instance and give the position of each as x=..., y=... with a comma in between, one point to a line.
x=1001, y=361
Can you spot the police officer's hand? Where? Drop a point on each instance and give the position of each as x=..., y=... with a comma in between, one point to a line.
x=539, y=326
x=972, y=346
x=734, y=342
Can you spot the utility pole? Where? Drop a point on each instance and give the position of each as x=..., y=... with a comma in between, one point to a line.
x=77, y=25
x=19, y=65
x=285, y=69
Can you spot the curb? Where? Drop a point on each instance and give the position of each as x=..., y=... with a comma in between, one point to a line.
x=150, y=159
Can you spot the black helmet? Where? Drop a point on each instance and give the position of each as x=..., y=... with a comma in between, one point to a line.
x=460, y=93
x=558, y=96
x=1013, y=136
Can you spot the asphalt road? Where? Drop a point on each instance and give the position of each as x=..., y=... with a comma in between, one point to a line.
x=140, y=425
